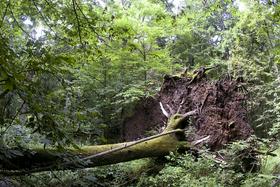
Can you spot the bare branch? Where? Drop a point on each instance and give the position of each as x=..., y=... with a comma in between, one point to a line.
x=190, y=113
x=172, y=112
x=163, y=110
x=200, y=140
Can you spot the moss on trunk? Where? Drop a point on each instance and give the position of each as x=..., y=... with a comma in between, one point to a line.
x=52, y=159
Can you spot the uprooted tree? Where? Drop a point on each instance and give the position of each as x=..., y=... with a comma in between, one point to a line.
x=193, y=111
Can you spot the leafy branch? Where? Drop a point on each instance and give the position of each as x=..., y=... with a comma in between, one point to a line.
x=17, y=23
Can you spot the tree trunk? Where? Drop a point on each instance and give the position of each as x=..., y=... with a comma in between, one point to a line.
x=35, y=160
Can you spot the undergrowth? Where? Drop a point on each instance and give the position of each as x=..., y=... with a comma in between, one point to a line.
x=173, y=170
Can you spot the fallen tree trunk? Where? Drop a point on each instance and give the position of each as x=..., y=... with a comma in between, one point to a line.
x=89, y=156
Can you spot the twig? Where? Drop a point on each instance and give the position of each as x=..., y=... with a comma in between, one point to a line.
x=181, y=104
x=13, y=119
x=191, y=113
x=265, y=153
x=203, y=103
x=200, y=140
x=74, y=3
x=172, y=112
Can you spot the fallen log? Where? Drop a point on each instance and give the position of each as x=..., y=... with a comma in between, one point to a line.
x=37, y=160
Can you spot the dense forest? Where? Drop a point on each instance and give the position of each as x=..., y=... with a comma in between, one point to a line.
x=139, y=93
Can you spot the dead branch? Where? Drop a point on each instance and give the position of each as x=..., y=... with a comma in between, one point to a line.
x=163, y=110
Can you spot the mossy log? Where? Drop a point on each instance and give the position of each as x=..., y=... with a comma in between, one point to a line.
x=36, y=160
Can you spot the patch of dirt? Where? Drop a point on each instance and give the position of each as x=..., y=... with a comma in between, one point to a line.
x=222, y=115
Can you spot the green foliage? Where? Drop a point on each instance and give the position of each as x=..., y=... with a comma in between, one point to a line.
x=184, y=170
x=271, y=165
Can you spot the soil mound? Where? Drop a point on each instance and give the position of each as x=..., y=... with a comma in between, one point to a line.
x=221, y=104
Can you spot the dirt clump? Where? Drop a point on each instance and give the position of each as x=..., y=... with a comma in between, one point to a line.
x=221, y=104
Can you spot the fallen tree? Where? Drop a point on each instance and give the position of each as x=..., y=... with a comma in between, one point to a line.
x=89, y=156
x=194, y=112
